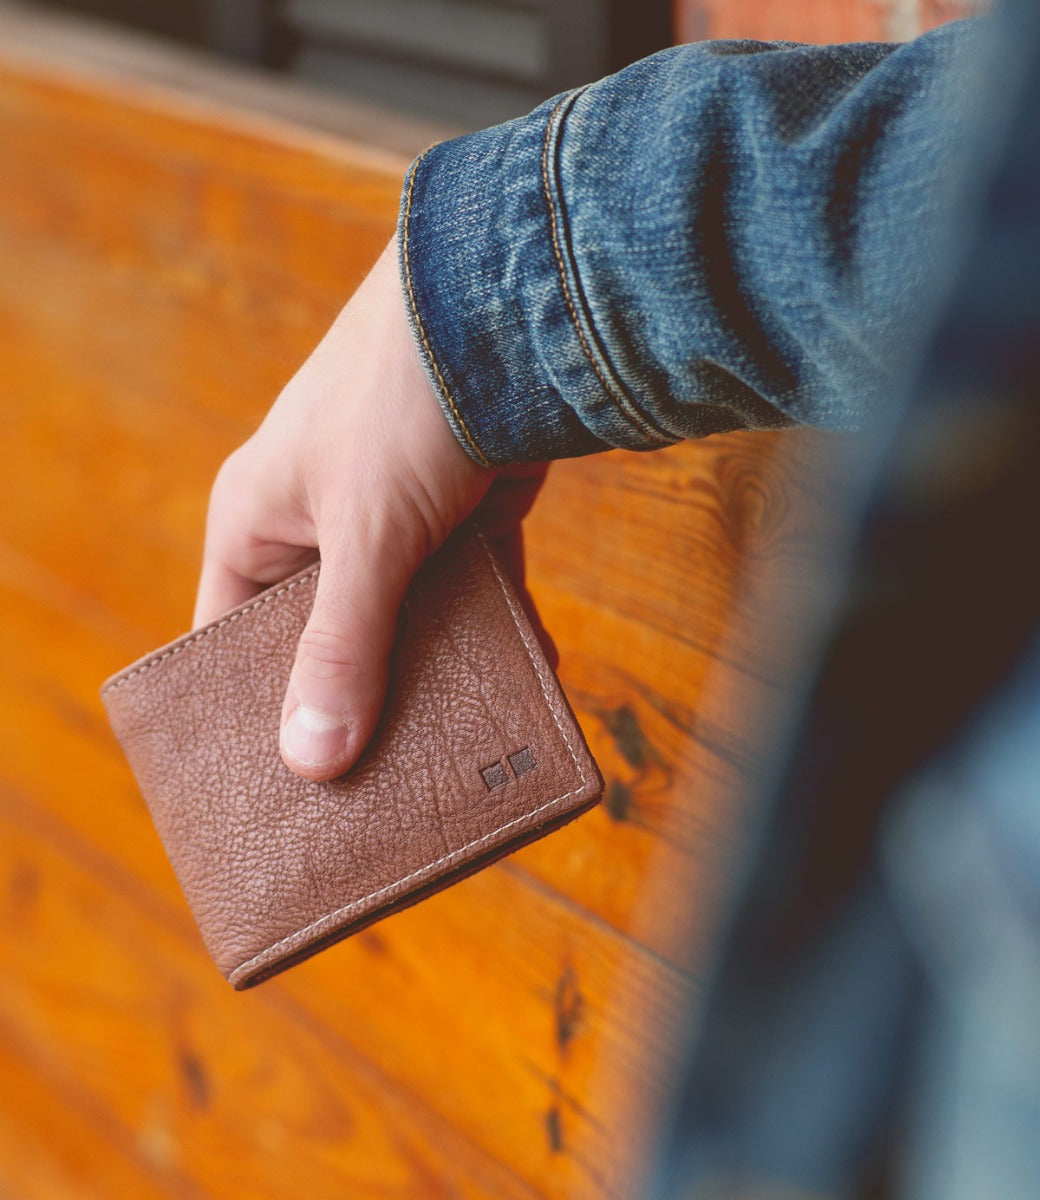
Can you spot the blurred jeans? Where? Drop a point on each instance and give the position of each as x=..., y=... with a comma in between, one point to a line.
x=746, y=235
x=873, y=1028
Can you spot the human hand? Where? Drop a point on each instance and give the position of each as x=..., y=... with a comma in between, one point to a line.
x=355, y=460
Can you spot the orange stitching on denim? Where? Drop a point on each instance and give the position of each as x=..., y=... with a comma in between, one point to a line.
x=481, y=458
x=617, y=396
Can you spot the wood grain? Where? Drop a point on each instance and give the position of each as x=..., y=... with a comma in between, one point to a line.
x=165, y=264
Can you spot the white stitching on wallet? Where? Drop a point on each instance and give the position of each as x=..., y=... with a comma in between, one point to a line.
x=531, y=654
x=551, y=700
x=191, y=639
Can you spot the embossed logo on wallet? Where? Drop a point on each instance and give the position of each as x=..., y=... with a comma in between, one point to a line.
x=271, y=884
x=512, y=766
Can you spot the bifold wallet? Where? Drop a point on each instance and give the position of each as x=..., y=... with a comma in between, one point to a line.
x=477, y=753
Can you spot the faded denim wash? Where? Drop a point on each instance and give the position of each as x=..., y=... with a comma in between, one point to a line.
x=725, y=235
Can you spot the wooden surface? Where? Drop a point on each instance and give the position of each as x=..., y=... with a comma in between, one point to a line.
x=165, y=264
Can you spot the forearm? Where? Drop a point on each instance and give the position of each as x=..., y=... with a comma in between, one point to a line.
x=725, y=235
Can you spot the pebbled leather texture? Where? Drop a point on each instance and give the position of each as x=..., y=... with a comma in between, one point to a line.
x=478, y=753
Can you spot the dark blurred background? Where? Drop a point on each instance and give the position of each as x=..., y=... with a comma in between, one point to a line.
x=466, y=62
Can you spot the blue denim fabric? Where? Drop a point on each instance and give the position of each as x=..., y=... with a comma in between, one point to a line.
x=734, y=235
x=873, y=1026
x=724, y=235
x=960, y=853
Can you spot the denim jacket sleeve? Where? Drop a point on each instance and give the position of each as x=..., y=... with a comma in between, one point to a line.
x=725, y=235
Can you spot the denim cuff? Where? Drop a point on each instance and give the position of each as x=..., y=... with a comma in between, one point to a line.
x=495, y=302
x=725, y=235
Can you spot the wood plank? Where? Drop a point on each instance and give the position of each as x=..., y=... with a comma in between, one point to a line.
x=108, y=1011
x=165, y=264
x=492, y=1003
x=594, y=591
x=672, y=790
x=665, y=534
x=52, y=1149
x=483, y=978
x=499, y=985
x=678, y=612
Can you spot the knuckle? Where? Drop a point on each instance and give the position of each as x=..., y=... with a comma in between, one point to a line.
x=232, y=466
x=230, y=482
x=326, y=653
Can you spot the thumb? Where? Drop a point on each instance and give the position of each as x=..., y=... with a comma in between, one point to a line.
x=338, y=682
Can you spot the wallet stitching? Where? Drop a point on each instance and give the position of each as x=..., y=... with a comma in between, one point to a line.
x=266, y=598
x=550, y=699
x=553, y=704
x=398, y=883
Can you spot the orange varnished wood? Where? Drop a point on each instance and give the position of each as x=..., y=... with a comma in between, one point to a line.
x=165, y=264
x=176, y=1080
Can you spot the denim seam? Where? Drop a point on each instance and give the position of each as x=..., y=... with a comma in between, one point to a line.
x=441, y=384
x=615, y=390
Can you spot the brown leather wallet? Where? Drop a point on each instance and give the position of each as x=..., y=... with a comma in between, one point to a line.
x=477, y=753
